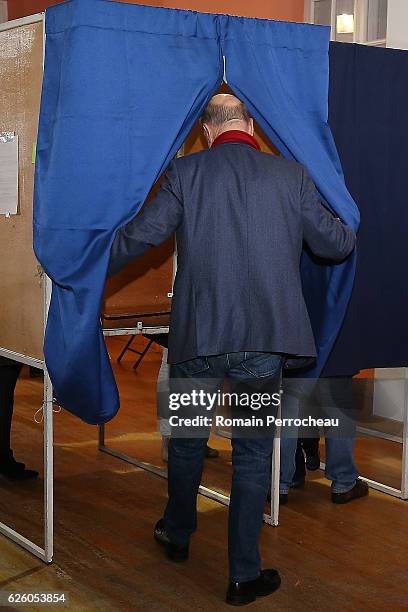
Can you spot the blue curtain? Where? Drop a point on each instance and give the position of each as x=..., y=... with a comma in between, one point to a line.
x=373, y=147
x=281, y=70
x=123, y=86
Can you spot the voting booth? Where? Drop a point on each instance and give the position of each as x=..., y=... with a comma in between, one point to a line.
x=101, y=148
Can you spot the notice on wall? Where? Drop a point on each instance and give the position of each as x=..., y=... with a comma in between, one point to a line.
x=8, y=173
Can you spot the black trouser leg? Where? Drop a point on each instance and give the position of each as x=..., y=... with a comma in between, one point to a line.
x=8, y=379
x=300, y=471
x=311, y=446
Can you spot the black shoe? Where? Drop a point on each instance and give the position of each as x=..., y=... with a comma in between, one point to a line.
x=313, y=462
x=173, y=552
x=283, y=499
x=298, y=484
x=13, y=470
x=211, y=453
x=360, y=489
x=243, y=593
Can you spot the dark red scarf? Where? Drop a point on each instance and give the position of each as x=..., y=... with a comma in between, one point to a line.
x=236, y=136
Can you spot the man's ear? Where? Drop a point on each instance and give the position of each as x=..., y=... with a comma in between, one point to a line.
x=251, y=126
x=207, y=135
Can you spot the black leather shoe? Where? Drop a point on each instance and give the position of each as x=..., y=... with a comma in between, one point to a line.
x=243, y=593
x=313, y=462
x=283, y=499
x=173, y=552
x=298, y=484
x=360, y=489
x=13, y=470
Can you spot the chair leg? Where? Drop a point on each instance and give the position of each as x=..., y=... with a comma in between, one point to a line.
x=142, y=354
x=128, y=343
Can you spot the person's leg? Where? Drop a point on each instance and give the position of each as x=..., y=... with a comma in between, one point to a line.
x=186, y=452
x=311, y=449
x=288, y=448
x=251, y=462
x=162, y=403
x=9, y=374
x=186, y=459
x=163, y=390
x=295, y=392
x=300, y=470
x=340, y=466
x=9, y=467
x=310, y=445
x=336, y=400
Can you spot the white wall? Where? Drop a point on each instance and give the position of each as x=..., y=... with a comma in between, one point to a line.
x=397, y=24
x=390, y=393
x=3, y=11
x=390, y=386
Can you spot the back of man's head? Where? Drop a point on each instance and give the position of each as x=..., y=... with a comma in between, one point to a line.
x=225, y=112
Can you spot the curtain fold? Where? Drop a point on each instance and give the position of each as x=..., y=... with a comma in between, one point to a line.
x=281, y=70
x=123, y=86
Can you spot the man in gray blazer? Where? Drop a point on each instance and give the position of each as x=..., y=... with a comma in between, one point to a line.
x=241, y=218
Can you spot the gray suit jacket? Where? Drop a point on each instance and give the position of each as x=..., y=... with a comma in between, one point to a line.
x=241, y=218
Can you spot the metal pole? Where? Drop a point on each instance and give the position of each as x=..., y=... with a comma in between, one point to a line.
x=48, y=444
x=404, y=476
x=101, y=441
x=275, y=479
x=48, y=470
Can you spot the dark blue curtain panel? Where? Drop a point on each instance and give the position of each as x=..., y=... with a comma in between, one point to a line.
x=123, y=86
x=368, y=113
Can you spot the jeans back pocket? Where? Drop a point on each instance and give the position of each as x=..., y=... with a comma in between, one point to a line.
x=262, y=365
x=192, y=367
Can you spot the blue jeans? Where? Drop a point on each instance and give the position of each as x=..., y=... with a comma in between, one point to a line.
x=340, y=466
x=251, y=461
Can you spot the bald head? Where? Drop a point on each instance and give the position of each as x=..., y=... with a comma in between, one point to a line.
x=225, y=112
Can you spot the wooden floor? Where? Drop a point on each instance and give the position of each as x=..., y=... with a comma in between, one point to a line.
x=331, y=558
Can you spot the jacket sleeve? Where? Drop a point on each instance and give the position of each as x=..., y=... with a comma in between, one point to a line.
x=154, y=225
x=326, y=235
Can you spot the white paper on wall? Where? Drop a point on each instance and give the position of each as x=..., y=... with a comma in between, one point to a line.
x=8, y=173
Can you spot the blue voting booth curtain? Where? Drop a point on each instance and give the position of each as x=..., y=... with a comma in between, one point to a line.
x=281, y=70
x=123, y=86
x=373, y=147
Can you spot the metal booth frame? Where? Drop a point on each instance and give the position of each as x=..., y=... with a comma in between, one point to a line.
x=270, y=519
x=45, y=553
